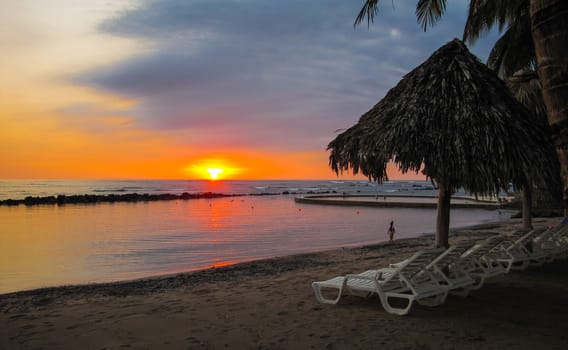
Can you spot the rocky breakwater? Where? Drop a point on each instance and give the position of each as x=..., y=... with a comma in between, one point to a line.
x=110, y=198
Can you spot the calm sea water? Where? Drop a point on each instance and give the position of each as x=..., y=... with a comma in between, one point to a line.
x=19, y=189
x=74, y=244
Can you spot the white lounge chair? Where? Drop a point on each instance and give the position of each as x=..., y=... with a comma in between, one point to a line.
x=479, y=263
x=562, y=241
x=515, y=253
x=409, y=281
x=553, y=242
x=450, y=270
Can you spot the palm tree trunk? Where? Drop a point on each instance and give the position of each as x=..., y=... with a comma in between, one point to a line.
x=443, y=216
x=550, y=36
x=527, y=207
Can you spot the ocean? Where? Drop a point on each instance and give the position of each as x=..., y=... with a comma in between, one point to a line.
x=19, y=189
x=51, y=245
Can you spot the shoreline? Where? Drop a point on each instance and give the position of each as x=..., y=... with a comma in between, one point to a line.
x=269, y=304
x=259, y=267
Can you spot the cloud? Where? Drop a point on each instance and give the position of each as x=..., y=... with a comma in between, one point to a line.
x=263, y=73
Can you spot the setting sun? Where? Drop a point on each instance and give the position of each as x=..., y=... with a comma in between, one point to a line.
x=213, y=169
x=214, y=173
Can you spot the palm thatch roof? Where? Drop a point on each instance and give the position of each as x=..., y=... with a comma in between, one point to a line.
x=453, y=119
x=525, y=86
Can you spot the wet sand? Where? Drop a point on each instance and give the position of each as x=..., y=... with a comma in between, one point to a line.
x=269, y=304
x=397, y=201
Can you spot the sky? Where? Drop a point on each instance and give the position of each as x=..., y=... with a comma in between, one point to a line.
x=167, y=89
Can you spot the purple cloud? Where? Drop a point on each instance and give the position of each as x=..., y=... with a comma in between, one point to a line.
x=270, y=73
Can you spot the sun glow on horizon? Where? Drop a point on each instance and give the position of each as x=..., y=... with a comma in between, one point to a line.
x=213, y=169
x=214, y=173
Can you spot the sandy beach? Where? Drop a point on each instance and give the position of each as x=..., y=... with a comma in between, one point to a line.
x=270, y=304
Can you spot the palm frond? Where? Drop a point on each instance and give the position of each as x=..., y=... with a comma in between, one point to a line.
x=480, y=18
x=367, y=12
x=483, y=15
x=428, y=12
x=497, y=55
x=514, y=50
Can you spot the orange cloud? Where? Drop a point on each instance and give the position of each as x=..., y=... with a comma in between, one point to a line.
x=37, y=146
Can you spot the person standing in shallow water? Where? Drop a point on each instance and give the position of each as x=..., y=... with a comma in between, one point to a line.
x=391, y=231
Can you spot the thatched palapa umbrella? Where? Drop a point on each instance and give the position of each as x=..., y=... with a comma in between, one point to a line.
x=525, y=86
x=456, y=121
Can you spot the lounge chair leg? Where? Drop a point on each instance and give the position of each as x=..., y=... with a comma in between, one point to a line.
x=522, y=265
x=433, y=300
x=461, y=292
x=539, y=262
x=396, y=310
x=507, y=264
x=319, y=296
x=479, y=280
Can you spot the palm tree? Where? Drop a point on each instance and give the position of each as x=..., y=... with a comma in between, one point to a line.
x=550, y=44
x=454, y=119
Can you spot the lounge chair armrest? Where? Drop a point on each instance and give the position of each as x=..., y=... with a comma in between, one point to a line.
x=398, y=264
x=359, y=277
